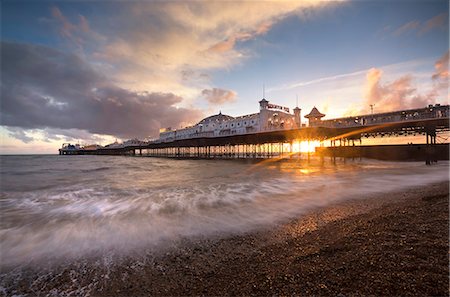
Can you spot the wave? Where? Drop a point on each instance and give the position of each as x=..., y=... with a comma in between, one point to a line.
x=128, y=211
x=96, y=169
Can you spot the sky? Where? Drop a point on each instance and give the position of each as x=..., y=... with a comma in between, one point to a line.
x=97, y=71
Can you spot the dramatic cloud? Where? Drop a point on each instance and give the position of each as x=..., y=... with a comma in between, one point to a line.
x=402, y=93
x=45, y=88
x=161, y=41
x=156, y=59
x=399, y=94
x=219, y=96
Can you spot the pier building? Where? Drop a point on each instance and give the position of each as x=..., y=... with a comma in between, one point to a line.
x=271, y=117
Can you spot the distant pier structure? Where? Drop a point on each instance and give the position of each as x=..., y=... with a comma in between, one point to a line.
x=273, y=131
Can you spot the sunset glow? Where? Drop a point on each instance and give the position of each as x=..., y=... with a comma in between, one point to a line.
x=305, y=146
x=170, y=64
x=224, y=148
x=309, y=146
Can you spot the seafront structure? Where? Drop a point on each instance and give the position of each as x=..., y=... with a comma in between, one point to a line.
x=273, y=131
x=269, y=118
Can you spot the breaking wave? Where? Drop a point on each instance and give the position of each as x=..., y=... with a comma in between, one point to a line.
x=61, y=208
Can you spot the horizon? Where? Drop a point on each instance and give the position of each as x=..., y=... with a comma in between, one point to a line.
x=94, y=72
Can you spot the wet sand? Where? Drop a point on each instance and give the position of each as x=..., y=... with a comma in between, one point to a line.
x=391, y=244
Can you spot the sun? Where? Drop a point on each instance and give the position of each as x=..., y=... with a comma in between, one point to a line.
x=305, y=146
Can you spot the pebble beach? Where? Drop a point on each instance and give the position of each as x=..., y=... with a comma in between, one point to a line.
x=395, y=244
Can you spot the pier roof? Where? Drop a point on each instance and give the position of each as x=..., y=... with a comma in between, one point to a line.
x=315, y=113
x=215, y=118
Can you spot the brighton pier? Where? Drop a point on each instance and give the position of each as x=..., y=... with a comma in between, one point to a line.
x=273, y=132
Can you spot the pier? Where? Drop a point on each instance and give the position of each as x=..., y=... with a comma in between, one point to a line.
x=345, y=137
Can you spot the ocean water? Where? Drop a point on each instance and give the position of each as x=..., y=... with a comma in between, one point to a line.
x=67, y=208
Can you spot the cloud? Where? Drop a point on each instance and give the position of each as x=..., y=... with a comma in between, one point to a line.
x=403, y=93
x=441, y=68
x=74, y=135
x=406, y=27
x=316, y=81
x=436, y=22
x=223, y=46
x=441, y=76
x=20, y=134
x=396, y=95
x=67, y=28
x=229, y=43
x=50, y=135
x=156, y=57
x=154, y=44
x=219, y=96
x=46, y=88
x=78, y=34
x=439, y=21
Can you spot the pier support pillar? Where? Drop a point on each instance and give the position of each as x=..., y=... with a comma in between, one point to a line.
x=430, y=134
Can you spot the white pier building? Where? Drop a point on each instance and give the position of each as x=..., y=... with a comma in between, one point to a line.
x=269, y=118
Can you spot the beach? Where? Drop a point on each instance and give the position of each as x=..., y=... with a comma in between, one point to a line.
x=389, y=244
x=224, y=148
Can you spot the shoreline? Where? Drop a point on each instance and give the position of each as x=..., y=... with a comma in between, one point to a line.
x=354, y=247
x=384, y=244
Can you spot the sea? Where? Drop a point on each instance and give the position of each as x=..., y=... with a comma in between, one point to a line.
x=60, y=210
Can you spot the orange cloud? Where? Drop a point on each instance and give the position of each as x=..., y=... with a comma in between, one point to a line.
x=441, y=67
x=228, y=44
x=264, y=27
x=399, y=94
x=219, y=96
x=441, y=75
x=165, y=40
x=223, y=46
x=402, y=93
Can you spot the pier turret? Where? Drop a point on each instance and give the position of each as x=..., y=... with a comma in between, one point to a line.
x=314, y=116
x=263, y=104
x=297, y=117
